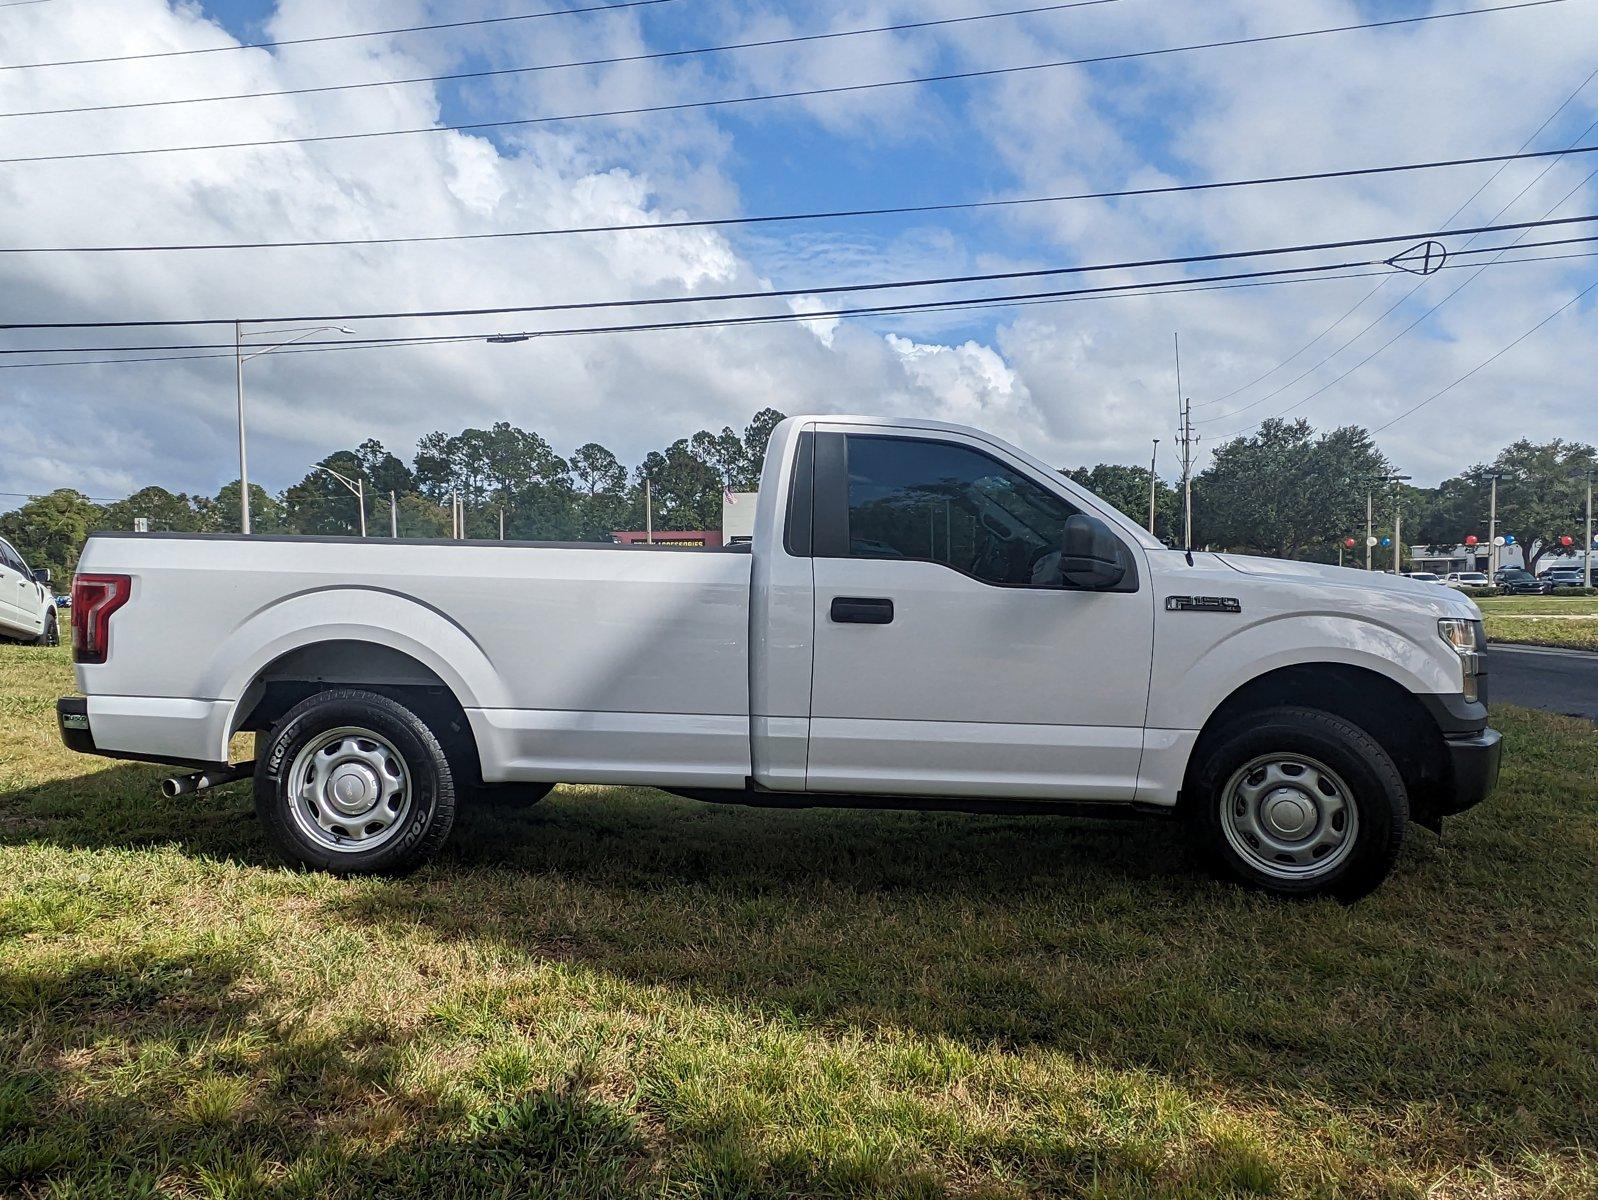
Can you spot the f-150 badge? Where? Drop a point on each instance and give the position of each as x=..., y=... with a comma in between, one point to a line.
x=1219, y=604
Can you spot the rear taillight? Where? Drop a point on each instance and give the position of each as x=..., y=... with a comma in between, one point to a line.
x=94, y=599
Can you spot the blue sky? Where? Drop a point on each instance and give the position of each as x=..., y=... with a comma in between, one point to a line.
x=1079, y=383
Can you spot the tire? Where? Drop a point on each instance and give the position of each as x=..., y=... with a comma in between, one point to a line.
x=511, y=795
x=354, y=783
x=1298, y=802
x=52, y=631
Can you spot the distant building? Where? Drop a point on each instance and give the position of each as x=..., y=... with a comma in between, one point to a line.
x=1442, y=560
x=706, y=539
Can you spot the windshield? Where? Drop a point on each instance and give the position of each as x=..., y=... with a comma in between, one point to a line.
x=1517, y=575
x=1472, y=577
x=1423, y=576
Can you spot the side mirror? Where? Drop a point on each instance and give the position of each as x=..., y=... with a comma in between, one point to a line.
x=1091, y=557
x=42, y=575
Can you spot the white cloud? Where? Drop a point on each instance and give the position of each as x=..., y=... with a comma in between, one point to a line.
x=1078, y=382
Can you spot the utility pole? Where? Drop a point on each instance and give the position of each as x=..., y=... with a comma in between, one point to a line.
x=1370, y=525
x=1586, y=560
x=393, y=516
x=649, y=510
x=1492, y=531
x=502, y=523
x=454, y=515
x=1184, y=410
x=1398, y=534
x=244, y=469
x=1154, y=481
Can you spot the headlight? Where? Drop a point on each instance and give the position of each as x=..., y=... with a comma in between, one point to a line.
x=1469, y=639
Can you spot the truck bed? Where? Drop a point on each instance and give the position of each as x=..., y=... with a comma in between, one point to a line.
x=552, y=648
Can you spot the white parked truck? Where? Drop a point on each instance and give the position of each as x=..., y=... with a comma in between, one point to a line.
x=27, y=605
x=927, y=617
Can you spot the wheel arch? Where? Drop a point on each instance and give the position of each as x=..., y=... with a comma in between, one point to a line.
x=1378, y=704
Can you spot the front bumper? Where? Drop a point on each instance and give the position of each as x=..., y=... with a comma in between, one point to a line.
x=1475, y=760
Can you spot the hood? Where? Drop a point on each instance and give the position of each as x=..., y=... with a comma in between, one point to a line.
x=1438, y=595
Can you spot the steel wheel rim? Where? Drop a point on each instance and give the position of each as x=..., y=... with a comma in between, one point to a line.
x=350, y=790
x=1289, y=816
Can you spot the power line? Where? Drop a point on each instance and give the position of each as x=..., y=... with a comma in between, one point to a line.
x=798, y=94
x=1400, y=301
x=1125, y=291
x=1361, y=302
x=781, y=293
x=1146, y=287
x=652, y=56
x=828, y=215
x=338, y=37
x=1486, y=362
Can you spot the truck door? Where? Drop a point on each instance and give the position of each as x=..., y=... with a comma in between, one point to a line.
x=950, y=658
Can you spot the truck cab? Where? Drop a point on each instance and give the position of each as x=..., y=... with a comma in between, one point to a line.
x=926, y=616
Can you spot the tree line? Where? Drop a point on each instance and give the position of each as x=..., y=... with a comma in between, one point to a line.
x=544, y=496
x=1287, y=491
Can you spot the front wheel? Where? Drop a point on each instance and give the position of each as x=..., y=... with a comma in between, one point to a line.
x=52, y=631
x=355, y=783
x=1300, y=803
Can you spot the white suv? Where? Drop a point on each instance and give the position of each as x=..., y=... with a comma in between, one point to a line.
x=27, y=605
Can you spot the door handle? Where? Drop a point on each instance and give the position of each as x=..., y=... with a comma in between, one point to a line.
x=862, y=610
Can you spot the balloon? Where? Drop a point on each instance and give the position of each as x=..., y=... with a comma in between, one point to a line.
x=1566, y=540
x=1370, y=541
x=1387, y=542
x=1348, y=543
x=1509, y=539
x=1501, y=540
x=1471, y=540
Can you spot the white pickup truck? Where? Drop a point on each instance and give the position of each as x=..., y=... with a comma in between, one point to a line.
x=927, y=617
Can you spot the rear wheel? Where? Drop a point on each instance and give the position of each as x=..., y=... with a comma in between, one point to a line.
x=1300, y=803
x=353, y=782
x=52, y=631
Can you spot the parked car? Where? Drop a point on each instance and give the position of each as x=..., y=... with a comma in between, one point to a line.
x=1564, y=577
x=1468, y=579
x=927, y=617
x=1423, y=576
x=1518, y=582
x=27, y=603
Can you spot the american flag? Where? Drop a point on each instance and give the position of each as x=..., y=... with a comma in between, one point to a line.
x=726, y=491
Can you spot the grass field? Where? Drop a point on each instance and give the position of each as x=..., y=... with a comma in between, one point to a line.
x=620, y=994
x=1570, y=621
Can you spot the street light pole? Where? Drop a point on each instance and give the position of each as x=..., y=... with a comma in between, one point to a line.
x=1370, y=525
x=1492, y=532
x=1153, y=482
x=239, y=359
x=1586, y=561
x=244, y=469
x=357, y=486
x=393, y=516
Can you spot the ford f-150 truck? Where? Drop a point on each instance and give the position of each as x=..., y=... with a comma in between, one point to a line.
x=927, y=617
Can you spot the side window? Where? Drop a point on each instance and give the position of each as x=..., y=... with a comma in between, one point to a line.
x=11, y=558
x=944, y=503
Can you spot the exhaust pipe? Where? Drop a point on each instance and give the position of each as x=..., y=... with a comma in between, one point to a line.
x=182, y=785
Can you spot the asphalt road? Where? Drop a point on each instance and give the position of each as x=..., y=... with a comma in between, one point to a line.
x=1562, y=681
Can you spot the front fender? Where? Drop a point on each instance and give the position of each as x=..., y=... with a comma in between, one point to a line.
x=1193, y=678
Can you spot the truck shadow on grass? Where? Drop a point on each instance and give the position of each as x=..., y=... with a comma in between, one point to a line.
x=1451, y=1009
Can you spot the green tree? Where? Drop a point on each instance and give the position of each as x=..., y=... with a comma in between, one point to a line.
x=486, y=465
x=220, y=513
x=163, y=510
x=1127, y=488
x=757, y=434
x=687, y=491
x=1287, y=492
x=1542, y=496
x=49, y=531
x=603, y=502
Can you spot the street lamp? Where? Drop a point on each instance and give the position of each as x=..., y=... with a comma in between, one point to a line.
x=239, y=359
x=357, y=487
